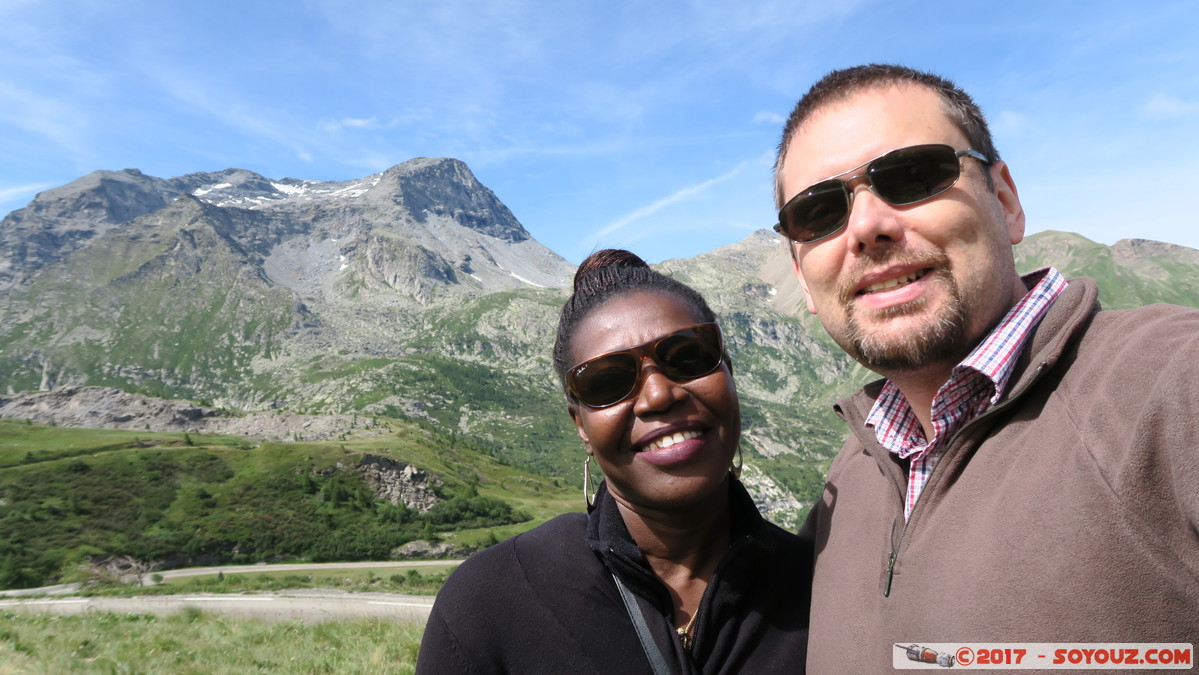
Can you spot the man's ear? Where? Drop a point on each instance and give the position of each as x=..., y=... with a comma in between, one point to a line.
x=1009, y=201
x=799, y=275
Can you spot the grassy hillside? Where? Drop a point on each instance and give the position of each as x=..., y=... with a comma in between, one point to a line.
x=67, y=495
x=1131, y=273
x=195, y=643
x=164, y=307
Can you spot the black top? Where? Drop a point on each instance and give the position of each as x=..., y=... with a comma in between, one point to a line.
x=545, y=602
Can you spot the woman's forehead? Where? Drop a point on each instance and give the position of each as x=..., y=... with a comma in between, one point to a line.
x=631, y=319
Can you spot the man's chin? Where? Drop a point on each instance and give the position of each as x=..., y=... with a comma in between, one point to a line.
x=908, y=344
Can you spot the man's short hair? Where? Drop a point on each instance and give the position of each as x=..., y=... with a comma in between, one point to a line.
x=841, y=84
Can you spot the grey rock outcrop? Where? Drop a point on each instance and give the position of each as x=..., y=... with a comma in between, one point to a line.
x=425, y=550
x=111, y=408
x=400, y=483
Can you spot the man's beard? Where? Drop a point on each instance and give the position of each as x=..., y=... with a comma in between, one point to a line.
x=941, y=339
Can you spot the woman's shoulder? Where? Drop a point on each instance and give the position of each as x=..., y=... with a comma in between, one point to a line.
x=772, y=538
x=528, y=604
x=556, y=540
x=564, y=531
x=788, y=549
x=781, y=536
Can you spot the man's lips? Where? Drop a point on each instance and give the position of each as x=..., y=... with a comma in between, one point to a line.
x=892, y=282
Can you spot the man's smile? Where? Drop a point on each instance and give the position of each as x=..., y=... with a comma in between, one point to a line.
x=893, y=282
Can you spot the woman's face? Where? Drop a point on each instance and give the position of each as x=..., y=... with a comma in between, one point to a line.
x=670, y=444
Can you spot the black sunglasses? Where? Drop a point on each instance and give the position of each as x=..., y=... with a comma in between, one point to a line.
x=682, y=356
x=900, y=177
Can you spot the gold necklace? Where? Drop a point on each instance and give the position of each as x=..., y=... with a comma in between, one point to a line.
x=685, y=632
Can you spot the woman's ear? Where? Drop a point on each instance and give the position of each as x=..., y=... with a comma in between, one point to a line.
x=577, y=418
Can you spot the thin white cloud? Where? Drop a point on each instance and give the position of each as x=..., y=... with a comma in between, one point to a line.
x=680, y=196
x=11, y=6
x=1164, y=106
x=236, y=113
x=650, y=209
x=768, y=117
x=352, y=123
x=55, y=120
x=16, y=192
x=1009, y=122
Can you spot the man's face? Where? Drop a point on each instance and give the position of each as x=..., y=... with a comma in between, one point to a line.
x=904, y=288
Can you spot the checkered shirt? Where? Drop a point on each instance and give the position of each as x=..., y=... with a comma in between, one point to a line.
x=975, y=384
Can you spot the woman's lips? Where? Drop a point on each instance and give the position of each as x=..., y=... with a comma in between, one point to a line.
x=672, y=448
x=670, y=439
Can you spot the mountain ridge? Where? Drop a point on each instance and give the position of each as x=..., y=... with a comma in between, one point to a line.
x=412, y=293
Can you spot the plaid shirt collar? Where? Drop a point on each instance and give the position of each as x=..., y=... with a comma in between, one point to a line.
x=976, y=383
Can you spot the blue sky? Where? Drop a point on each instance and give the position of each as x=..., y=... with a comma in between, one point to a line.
x=647, y=125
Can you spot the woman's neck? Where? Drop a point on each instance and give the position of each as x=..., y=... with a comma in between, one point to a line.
x=682, y=546
x=679, y=538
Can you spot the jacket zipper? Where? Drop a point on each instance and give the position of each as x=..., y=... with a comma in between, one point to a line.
x=893, y=557
x=890, y=573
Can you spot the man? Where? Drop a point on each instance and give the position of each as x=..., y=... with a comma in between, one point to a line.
x=1027, y=471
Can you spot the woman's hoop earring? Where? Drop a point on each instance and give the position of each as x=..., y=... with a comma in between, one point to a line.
x=587, y=493
x=735, y=469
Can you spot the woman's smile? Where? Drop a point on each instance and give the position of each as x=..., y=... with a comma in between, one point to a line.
x=671, y=442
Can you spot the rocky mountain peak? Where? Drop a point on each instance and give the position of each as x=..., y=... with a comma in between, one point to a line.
x=63, y=219
x=428, y=187
x=101, y=180
x=228, y=184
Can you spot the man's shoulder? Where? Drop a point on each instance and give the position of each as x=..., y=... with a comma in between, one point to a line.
x=1156, y=312
x=1151, y=331
x=1133, y=363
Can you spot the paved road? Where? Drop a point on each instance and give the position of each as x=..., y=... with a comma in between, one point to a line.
x=307, y=606
x=65, y=589
x=303, y=567
x=304, y=605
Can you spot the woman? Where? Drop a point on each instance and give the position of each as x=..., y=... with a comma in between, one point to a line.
x=673, y=570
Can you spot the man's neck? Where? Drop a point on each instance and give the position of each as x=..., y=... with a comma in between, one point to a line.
x=920, y=388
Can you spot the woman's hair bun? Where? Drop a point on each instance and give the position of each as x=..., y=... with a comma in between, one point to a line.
x=609, y=257
x=612, y=273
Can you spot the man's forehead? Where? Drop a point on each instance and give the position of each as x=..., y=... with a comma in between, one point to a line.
x=851, y=129
x=890, y=89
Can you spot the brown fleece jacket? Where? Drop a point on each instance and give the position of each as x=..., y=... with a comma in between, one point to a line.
x=1066, y=513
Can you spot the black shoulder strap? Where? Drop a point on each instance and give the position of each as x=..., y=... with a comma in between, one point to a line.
x=656, y=660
